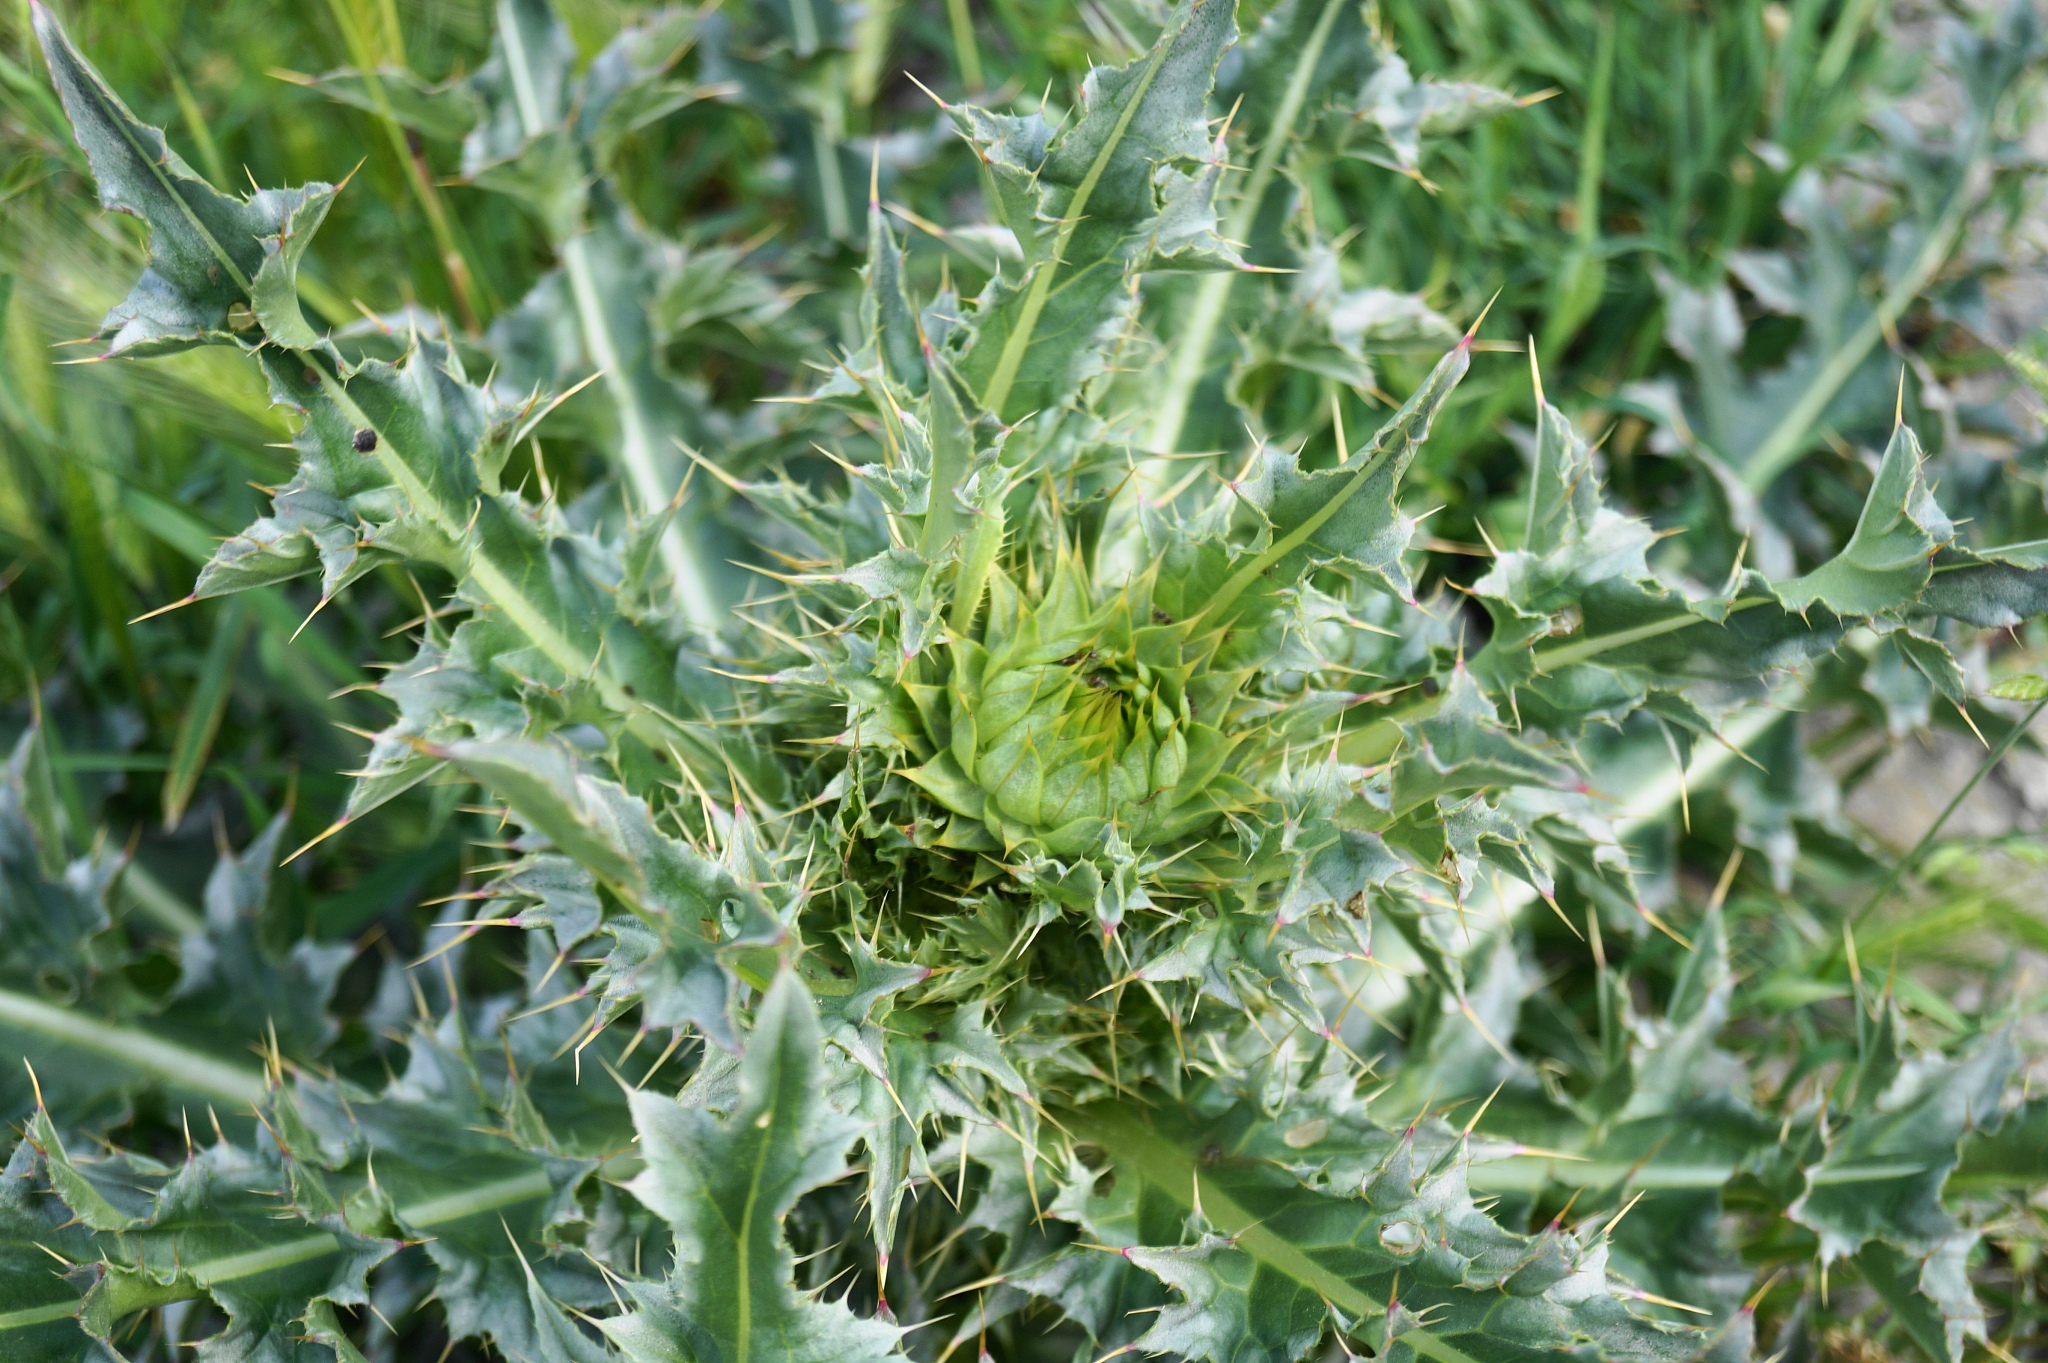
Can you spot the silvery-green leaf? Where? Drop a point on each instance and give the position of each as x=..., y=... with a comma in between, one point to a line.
x=222, y=1226
x=445, y=112
x=1406, y=110
x=1288, y=1264
x=667, y=955
x=209, y=253
x=1881, y=1176
x=1038, y=334
x=724, y=1186
x=1888, y=559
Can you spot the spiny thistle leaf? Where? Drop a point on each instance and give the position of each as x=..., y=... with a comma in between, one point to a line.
x=42, y=1246
x=92, y=1037
x=1403, y=1258
x=1084, y=207
x=725, y=1183
x=210, y=254
x=218, y=1227
x=687, y=908
x=335, y=1179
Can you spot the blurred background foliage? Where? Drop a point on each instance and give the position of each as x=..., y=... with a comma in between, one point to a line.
x=1727, y=229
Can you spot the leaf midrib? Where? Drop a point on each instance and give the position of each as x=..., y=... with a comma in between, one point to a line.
x=1786, y=442
x=176, y=1065
x=637, y=442
x=1565, y=655
x=100, y=98
x=208, y=1273
x=1172, y=1171
x=1019, y=340
x=743, y=1236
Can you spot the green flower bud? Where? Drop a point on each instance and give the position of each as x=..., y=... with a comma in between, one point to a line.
x=1071, y=717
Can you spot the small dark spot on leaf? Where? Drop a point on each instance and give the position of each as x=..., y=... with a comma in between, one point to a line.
x=1212, y=1155
x=932, y=1036
x=56, y=983
x=364, y=440
x=1160, y=617
x=311, y=376
x=1431, y=687
x=628, y=689
x=838, y=971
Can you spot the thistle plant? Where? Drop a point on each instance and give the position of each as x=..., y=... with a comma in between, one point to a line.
x=1059, y=913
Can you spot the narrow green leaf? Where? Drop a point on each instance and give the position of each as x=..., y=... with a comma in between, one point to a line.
x=2021, y=686
x=193, y=743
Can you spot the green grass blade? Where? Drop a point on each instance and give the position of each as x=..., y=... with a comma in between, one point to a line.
x=200, y=723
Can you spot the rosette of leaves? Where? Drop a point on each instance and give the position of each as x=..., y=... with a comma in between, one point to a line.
x=1068, y=723
x=998, y=705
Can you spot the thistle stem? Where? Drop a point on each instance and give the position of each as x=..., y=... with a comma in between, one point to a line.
x=175, y=1065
